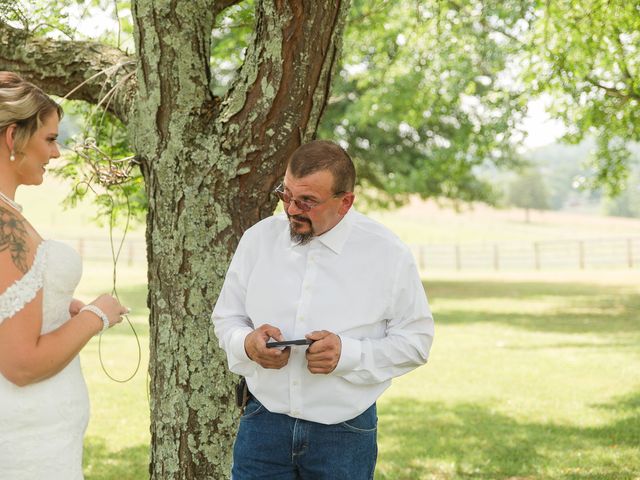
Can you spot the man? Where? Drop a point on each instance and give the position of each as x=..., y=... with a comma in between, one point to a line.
x=323, y=272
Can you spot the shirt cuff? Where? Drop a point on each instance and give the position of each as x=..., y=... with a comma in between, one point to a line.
x=350, y=354
x=236, y=345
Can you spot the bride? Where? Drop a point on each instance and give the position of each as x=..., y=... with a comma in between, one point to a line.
x=44, y=405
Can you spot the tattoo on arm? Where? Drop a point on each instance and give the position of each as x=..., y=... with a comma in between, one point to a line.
x=13, y=236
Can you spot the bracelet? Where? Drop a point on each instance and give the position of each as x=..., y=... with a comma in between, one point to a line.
x=95, y=310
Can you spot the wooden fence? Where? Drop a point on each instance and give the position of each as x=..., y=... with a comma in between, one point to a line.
x=538, y=255
x=99, y=249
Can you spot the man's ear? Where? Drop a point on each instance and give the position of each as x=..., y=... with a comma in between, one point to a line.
x=346, y=203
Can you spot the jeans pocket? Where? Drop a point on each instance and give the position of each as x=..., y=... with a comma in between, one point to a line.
x=366, y=422
x=253, y=408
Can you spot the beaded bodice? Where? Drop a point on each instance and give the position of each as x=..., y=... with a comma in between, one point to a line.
x=57, y=268
x=42, y=425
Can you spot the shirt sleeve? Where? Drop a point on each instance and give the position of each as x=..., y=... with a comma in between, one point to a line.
x=230, y=320
x=408, y=336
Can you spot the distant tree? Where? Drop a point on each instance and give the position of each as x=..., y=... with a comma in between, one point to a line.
x=529, y=191
x=585, y=54
x=627, y=203
x=419, y=100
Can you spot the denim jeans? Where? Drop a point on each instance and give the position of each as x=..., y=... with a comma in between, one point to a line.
x=273, y=446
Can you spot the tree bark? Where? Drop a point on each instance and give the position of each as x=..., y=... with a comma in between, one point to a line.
x=87, y=71
x=209, y=167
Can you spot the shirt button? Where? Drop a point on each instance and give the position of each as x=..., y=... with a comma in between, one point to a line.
x=301, y=318
x=295, y=413
x=295, y=383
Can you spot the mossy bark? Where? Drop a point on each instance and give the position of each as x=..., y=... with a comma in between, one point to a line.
x=209, y=166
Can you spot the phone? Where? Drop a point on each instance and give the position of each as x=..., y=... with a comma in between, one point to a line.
x=287, y=343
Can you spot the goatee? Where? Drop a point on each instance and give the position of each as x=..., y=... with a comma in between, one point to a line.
x=300, y=238
x=297, y=237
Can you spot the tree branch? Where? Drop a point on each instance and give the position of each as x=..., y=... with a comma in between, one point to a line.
x=77, y=70
x=282, y=88
x=220, y=5
x=613, y=92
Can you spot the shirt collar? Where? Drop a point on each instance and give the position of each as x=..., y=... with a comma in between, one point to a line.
x=335, y=238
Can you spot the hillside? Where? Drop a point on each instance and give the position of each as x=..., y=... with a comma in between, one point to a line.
x=426, y=222
x=418, y=222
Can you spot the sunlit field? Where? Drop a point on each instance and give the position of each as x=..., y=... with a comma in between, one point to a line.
x=529, y=377
x=533, y=375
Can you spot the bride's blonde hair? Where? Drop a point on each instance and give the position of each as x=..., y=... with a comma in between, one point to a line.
x=23, y=104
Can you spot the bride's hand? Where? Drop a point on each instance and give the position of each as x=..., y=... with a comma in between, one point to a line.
x=111, y=307
x=75, y=306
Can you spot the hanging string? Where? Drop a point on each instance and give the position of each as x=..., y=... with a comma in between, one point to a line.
x=115, y=256
x=113, y=175
x=110, y=173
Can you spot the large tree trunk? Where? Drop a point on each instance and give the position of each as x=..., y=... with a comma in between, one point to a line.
x=209, y=167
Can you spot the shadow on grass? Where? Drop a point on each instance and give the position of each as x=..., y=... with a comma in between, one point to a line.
x=101, y=462
x=472, y=289
x=586, y=308
x=562, y=321
x=430, y=440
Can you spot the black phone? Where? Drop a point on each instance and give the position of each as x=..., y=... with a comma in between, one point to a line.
x=288, y=343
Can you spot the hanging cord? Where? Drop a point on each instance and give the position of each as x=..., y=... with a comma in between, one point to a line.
x=115, y=256
x=114, y=175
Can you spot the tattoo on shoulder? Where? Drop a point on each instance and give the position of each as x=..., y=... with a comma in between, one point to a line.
x=13, y=237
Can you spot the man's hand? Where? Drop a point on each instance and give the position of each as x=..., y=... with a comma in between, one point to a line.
x=255, y=344
x=323, y=354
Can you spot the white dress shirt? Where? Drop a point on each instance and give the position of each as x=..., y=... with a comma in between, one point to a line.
x=357, y=280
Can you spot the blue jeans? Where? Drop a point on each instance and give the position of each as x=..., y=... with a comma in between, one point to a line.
x=273, y=446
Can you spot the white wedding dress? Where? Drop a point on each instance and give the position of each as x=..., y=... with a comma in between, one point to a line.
x=42, y=425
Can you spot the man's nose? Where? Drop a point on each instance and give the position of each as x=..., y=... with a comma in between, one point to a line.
x=293, y=209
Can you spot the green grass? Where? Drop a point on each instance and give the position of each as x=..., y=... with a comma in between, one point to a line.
x=528, y=379
x=117, y=439
x=531, y=376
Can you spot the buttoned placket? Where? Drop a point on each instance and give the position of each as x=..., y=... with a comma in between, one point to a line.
x=302, y=325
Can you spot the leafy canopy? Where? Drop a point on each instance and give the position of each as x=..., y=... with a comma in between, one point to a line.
x=430, y=93
x=586, y=54
x=419, y=100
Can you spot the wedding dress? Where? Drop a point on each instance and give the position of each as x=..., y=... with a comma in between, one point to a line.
x=42, y=425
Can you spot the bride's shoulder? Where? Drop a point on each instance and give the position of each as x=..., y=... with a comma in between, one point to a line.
x=18, y=246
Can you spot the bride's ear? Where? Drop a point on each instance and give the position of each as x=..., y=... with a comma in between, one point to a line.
x=9, y=136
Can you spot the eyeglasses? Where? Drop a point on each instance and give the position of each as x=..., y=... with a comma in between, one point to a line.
x=302, y=205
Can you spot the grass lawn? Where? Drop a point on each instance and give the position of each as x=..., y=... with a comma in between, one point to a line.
x=528, y=379
x=532, y=376
x=117, y=440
